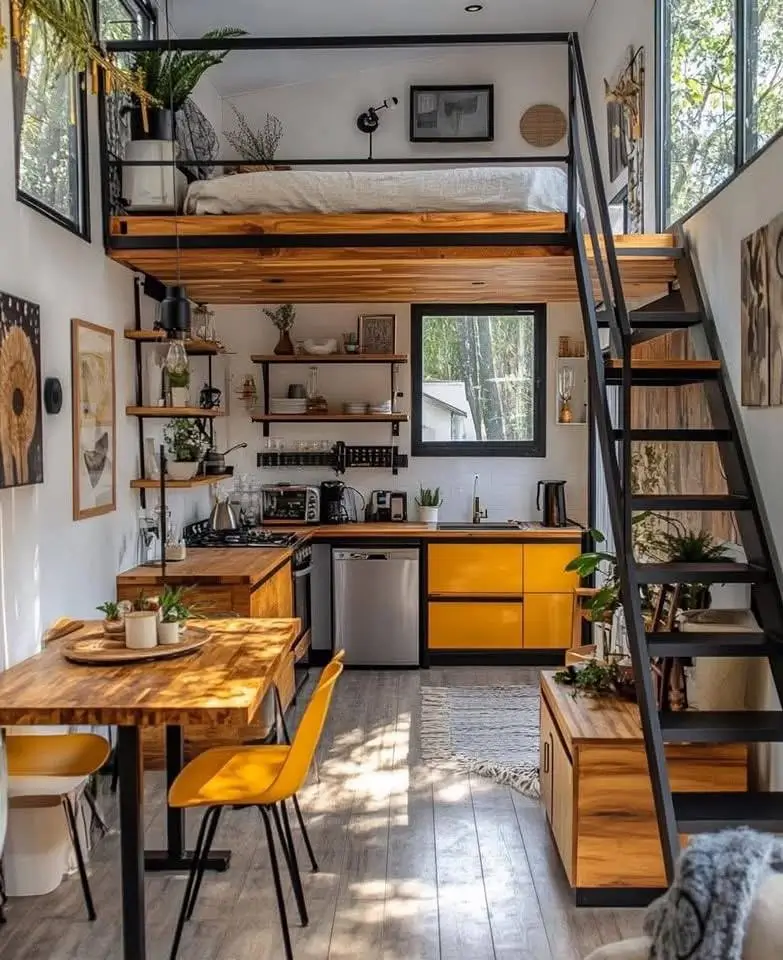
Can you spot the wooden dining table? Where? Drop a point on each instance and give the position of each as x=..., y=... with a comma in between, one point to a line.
x=222, y=684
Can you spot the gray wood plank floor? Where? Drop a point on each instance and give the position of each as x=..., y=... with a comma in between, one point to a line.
x=416, y=864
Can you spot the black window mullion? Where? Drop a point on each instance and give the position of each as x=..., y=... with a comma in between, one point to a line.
x=743, y=68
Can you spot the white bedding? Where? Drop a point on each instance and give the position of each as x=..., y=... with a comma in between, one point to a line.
x=491, y=189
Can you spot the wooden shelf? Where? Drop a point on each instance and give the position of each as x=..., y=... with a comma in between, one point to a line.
x=171, y=412
x=313, y=359
x=181, y=484
x=196, y=348
x=330, y=418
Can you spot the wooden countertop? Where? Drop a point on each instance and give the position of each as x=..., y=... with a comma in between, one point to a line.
x=221, y=565
x=223, y=683
x=427, y=531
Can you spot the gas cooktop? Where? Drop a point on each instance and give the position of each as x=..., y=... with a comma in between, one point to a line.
x=199, y=535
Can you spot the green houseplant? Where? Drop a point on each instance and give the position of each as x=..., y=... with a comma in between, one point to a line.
x=174, y=610
x=428, y=502
x=169, y=77
x=283, y=318
x=186, y=446
x=114, y=622
x=679, y=544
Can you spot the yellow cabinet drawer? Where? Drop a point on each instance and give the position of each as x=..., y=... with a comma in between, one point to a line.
x=475, y=626
x=545, y=565
x=548, y=620
x=468, y=569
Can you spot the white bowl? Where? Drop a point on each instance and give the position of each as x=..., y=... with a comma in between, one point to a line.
x=181, y=469
x=320, y=347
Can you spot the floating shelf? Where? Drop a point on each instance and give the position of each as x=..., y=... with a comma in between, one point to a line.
x=196, y=348
x=181, y=484
x=171, y=412
x=330, y=418
x=313, y=359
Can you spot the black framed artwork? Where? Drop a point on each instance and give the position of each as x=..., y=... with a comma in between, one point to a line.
x=462, y=113
x=21, y=432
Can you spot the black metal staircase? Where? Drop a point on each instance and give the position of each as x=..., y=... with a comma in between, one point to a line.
x=614, y=368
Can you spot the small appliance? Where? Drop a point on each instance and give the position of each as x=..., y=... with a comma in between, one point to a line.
x=290, y=503
x=333, y=508
x=555, y=514
x=388, y=506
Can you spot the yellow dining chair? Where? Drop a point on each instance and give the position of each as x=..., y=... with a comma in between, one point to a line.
x=254, y=776
x=50, y=767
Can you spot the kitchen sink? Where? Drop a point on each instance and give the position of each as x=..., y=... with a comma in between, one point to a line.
x=478, y=526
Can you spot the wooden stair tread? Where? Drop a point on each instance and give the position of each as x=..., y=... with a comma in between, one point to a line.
x=700, y=573
x=703, y=501
x=614, y=363
x=708, y=812
x=722, y=726
x=676, y=435
x=714, y=644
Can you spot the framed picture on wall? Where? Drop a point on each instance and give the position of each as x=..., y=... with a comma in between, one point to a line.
x=21, y=434
x=452, y=114
x=377, y=333
x=94, y=420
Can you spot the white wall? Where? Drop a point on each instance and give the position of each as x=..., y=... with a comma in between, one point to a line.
x=320, y=119
x=612, y=28
x=507, y=485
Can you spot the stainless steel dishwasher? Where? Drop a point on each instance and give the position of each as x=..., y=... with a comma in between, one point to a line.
x=376, y=605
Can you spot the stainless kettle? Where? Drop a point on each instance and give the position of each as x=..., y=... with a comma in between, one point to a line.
x=223, y=516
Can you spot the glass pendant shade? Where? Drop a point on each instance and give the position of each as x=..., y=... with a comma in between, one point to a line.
x=176, y=358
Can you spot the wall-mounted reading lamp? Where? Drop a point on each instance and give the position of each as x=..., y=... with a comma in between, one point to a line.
x=369, y=121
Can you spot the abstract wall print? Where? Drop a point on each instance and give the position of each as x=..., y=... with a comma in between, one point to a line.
x=452, y=114
x=377, y=333
x=625, y=102
x=762, y=316
x=775, y=308
x=94, y=420
x=21, y=433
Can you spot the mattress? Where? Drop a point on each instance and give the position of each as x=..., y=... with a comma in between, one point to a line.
x=490, y=189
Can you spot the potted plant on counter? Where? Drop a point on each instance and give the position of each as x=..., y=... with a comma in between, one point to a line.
x=428, y=502
x=174, y=611
x=283, y=318
x=114, y=622
x=186, y=446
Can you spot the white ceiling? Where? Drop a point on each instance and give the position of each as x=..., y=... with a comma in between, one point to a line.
x=292, y=18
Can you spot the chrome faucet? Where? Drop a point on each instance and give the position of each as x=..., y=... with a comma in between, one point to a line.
x=478, y=513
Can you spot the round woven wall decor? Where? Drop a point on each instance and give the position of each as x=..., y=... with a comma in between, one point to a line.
x=543, y=125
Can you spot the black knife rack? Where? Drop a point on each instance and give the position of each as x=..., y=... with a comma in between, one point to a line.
x=340, y=458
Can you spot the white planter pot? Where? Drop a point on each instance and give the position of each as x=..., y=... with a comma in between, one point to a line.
x=181, y=469
x=428, y=514
x=180, y=397
x=141, y=630
x=169, y=633
x=153, y=188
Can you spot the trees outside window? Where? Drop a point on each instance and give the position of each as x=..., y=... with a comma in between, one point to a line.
x=721, y=93
x=479, y=380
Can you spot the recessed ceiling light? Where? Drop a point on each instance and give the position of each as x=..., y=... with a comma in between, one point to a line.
x=474, y=8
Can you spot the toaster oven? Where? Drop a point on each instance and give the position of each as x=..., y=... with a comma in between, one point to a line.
x=290, y=503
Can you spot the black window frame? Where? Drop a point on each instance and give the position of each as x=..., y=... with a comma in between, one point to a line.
x=535, y=448
x=82, y=229
x=743, y=113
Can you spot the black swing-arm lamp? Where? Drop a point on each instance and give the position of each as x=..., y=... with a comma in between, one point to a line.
x=369, y=121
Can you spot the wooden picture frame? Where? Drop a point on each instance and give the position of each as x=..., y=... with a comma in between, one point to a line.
x=378, y=333
x=452, y=113
x=94, y=419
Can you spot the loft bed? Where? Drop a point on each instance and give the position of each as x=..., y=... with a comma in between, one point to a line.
x=502, y=230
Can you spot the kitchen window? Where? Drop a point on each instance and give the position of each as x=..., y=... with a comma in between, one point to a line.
x=478, y=380
x=50, y=117
x=720, y=94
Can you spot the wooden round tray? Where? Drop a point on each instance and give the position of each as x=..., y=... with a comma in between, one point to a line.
x=97, y=649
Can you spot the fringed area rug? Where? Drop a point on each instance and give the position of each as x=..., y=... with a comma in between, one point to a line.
x=490, y=731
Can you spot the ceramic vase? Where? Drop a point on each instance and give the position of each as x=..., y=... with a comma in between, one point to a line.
x=180, y=397
x=428, y=514
x=169, y=633
x=285, y=345
x=141, y=630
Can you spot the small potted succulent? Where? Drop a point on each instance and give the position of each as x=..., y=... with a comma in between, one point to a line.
x=186, y=446
x=428, y=502
x=114, y=622
x=283, y=318
x=179, y=384
x=174, y=611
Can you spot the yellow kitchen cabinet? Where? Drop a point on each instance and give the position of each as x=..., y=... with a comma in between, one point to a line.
x=547, y=620
x=545, y=565
x=474, y=569
x=475, y=626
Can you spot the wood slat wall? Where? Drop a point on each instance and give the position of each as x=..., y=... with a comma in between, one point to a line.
x=692, y=467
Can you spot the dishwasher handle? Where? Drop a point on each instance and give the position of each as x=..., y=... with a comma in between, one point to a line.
x=364, y=556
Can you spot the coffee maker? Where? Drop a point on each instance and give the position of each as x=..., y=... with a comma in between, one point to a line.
x=554, y=503
x=387, y=506
x=333, y=507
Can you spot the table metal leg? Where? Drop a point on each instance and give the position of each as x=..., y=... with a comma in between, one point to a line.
x=175, y=857
x=132, y=842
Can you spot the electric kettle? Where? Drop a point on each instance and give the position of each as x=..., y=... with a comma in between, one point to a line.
x=554, y=503
x=223, y=516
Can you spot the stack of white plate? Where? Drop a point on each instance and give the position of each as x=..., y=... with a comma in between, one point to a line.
x=355, y=408
x=285, y=405
x=379, y=407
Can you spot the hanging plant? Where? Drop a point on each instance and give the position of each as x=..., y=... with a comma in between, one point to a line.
x=71, y=44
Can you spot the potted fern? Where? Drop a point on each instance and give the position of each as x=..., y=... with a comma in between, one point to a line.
x=428, y=502
x=283, y=318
